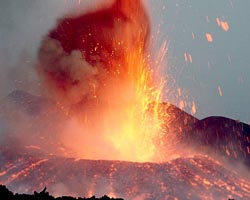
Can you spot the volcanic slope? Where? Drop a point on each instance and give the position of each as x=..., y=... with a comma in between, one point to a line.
x=197, y=176
x=194, y=177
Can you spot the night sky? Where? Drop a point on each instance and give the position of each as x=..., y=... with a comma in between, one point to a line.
x=214, y=77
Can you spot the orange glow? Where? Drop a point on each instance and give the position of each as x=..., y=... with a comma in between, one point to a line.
x=26, y=170
x=188, y=57
x=126, y=126
x=209, y=37
x=112, y=195
x=3, y=173
x=90, y=193
x=206, y=182
x=223, y=24
x=137, y=129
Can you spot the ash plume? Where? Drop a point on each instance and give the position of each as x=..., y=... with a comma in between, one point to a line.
x=82, y=53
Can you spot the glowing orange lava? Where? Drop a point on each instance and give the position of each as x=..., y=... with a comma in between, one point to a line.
x=124, y=124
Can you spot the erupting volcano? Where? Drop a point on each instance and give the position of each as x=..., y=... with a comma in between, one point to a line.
x=100, y=126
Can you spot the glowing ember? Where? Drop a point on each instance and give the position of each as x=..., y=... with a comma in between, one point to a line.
x=95, y=67
x=209, y=37
x=188, y=58
x=223, y=24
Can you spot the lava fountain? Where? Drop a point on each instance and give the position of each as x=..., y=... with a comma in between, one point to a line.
x=95, y=66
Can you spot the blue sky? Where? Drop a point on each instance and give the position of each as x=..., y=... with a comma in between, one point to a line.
x=218, y=66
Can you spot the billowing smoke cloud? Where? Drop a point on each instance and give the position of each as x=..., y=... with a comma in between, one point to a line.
x=68, y=76
x=78, y=55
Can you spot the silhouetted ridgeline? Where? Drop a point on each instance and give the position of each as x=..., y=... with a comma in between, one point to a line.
x=5, y=194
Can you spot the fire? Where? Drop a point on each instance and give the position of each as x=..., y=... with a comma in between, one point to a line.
x=137, y=126
x=124, y=121
x=96, y=67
